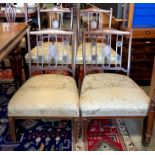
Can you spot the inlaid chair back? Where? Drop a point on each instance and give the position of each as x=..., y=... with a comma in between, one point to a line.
x=54, y=50
x=11, y=12
x=56, y=18
x=93, y=19
x=109, y=45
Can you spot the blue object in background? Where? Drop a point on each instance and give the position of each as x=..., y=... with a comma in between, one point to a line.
x=144, y=15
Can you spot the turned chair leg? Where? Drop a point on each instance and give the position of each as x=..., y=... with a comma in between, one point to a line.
x=12, y=129
x=75, y=130
x=148, y=123
x=84, y=131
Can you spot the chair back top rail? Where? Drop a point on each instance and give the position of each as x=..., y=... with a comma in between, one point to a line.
x=56, y=10
x=49, y=31
x=95, y=10
x=55, y=50
x=108, y=31
x=104, y=49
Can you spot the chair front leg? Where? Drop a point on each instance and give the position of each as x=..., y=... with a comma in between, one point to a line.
x=75, y=130
x=84, y=131
x=147, y=133
x=12, y=129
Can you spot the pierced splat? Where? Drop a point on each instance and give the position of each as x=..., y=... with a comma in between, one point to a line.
x=52, y=53
x=94, y=50
x=65, y=56
x=55, y=24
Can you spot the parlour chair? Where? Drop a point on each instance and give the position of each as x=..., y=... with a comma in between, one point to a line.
x=56, y=23
x=50, y=96
x=111, y=94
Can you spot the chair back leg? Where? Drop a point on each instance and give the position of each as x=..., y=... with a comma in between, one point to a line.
x=75, y=130
x=84, y=131
x=12, y=129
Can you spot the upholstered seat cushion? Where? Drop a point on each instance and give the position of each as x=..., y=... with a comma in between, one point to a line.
x=79, y=57
x=44, y=50
x=108, y=94
x=46, y=95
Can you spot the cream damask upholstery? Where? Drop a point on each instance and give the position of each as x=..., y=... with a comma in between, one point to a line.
x=107, y=94
x=40, y=96
x=79, y=57
x=44, y=52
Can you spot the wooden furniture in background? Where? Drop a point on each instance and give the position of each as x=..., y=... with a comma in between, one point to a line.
x=139, y=17
x=151, y=115
x=152, y=87
x=11, y=35
x=115, y=22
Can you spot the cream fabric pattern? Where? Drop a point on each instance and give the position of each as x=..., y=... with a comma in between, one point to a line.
x=108, y=94
x=44, y=51
x=46, y=95
x=79, y=57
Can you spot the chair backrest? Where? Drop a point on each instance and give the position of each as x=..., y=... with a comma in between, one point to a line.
x=92, y=19
x=11, y=12
x=107, y=48
x=56, y=17
x=55, y=50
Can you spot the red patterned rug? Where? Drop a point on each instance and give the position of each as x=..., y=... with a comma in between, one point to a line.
x=108, y=134
x=6, y=74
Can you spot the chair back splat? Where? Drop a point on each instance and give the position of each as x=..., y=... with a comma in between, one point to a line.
x=106, y=50
x=54, y=50
x=56, y=18
x=93, y=19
